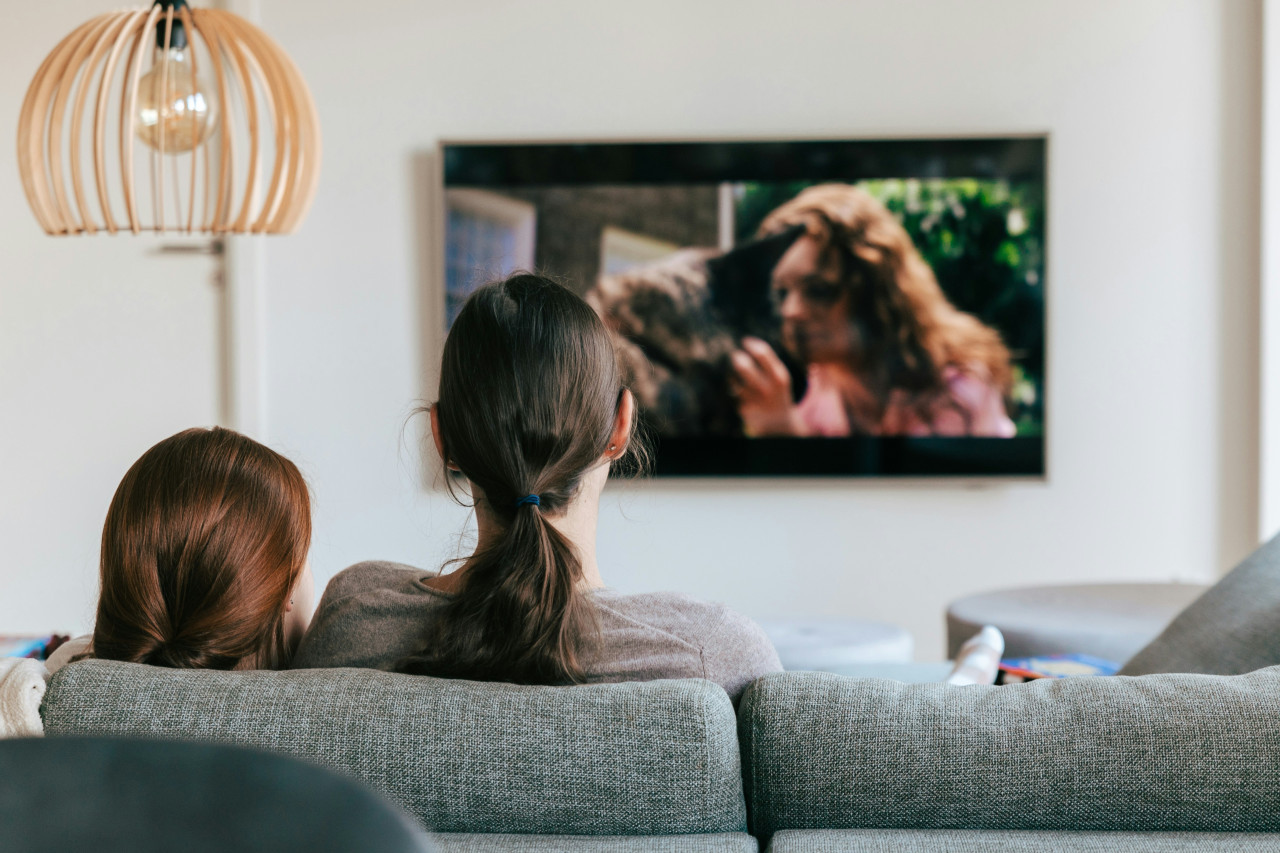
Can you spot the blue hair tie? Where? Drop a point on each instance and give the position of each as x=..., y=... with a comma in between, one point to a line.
x=529, y=499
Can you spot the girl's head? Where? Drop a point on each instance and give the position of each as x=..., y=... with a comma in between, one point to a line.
x=532, y=410
x=204, y=556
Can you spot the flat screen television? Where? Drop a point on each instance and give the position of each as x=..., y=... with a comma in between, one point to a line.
x=870, y=307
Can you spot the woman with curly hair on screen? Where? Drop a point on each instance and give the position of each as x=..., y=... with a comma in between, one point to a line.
x=885, y=352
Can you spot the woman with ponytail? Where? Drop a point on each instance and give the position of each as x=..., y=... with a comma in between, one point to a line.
x=204, y=557
x=533, y=413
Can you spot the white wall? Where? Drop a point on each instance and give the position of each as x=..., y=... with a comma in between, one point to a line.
x=105, y=348
x=1269, y=285
x=1153, y=276
x=1153, y=273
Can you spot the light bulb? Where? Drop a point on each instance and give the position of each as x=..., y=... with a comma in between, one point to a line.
x=176, y=100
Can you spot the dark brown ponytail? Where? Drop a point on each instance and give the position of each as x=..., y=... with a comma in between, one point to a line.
x=529, y=394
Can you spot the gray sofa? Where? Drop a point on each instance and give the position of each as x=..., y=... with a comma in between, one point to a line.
x=483, y=766
x=1161, y=762
x=120, y=795
x=1157, y=763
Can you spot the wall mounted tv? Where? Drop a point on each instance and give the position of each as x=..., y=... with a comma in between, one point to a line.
x=868, y=307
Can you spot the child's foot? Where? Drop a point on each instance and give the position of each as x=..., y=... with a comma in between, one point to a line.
x=978, y=660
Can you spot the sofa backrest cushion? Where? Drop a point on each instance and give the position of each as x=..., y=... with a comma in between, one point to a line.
x=1228, y=630
x=611, y=759
x=1160, y=752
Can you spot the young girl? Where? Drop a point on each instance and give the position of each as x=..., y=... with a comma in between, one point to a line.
x=204, y=557
x=533, y=413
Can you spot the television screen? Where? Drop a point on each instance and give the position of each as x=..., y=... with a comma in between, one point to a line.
x=860, y=307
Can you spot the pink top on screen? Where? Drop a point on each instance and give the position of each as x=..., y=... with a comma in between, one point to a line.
x=971, y=406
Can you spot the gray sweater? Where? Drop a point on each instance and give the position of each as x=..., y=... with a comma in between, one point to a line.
x=374, y=614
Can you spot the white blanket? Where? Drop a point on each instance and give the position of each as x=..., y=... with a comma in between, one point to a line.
x=22, y=684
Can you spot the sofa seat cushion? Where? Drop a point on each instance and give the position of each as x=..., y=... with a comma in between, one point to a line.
x=1014, y=841
x=653, y=758
x=724, y=842
x=1156, y=753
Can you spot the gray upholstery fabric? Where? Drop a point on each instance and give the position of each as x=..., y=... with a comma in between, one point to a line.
x=977, y=841
x=650, y=758
x=729, y=842
x=1233, y=628
x=1163, y=752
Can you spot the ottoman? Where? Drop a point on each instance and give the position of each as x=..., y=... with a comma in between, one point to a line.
x=830, y=645
x=1108, y=620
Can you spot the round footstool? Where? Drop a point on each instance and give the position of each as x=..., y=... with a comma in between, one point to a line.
x=832, y=644
x=1107, y=620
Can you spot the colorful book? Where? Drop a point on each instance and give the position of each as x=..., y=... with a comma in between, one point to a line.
x=1055, y=666
x=24, y=647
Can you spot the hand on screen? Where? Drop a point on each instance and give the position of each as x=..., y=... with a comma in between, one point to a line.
x=763, y=389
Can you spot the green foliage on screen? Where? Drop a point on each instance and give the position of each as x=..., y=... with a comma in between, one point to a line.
x=984, y=240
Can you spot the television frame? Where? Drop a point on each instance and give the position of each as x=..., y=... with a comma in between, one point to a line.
x=1020, y=155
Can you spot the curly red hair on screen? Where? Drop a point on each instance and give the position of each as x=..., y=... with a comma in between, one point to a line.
x=908, y=331
x=205, y=539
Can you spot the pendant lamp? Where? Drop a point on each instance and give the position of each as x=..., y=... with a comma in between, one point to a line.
x=168, y=119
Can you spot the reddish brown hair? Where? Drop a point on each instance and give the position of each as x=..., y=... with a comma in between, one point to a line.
x=910, y=331
x=204, y=541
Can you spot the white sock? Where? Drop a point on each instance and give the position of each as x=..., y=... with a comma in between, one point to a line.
x=978, y=660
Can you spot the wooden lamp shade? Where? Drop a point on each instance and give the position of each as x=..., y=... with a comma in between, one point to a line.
x=85, y=170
